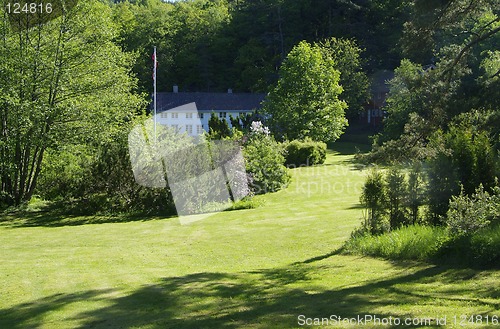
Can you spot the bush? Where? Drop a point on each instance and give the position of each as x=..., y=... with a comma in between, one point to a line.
x=88, y=179
x=478, y=250
x=397, y=188
x=305, y=153
x=416, y=191
x=218, y=128
x=374, y=199
x=464, y=157
x=468, y=214
x=66, y=173
x=264, y=161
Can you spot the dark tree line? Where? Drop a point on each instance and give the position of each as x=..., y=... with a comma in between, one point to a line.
x=212, y=45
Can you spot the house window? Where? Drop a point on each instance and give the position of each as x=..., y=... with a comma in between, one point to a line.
x=189, y=129
x=199, y=129
x=176, y=127
x=189, y=115
x=175, y=115
x=200, y=115
x=222, y=115
x=163, y=115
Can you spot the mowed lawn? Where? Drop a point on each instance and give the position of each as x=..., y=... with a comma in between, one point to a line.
x=254, y=268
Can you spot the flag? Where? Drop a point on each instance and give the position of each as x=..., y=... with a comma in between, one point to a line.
x=155, y=64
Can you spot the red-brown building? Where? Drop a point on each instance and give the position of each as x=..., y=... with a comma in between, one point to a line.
x=374, y=112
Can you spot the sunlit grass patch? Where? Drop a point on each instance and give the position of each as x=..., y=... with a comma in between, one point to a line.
x=414, y=242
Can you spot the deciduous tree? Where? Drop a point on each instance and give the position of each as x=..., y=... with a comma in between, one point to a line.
x=61, y=82
x=305, y=101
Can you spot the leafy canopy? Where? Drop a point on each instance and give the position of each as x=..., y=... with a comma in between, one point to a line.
x=305, y=102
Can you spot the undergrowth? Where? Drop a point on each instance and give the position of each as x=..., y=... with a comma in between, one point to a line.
x=431, y=244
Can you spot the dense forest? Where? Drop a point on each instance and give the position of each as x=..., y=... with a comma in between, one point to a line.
x=219, y=44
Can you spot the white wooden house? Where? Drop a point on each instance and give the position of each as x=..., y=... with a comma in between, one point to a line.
x=190, y=111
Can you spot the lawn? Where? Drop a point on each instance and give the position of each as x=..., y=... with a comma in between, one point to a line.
x=253, y=268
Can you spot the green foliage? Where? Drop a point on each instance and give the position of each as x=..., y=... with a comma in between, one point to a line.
x=392, y=199
x=66, y=173
x=113, y=185
x=468, y=214
x=435, y=24
x=99, y=178
x=243, y=121
x=187, y=35
x=373, y=198
x=464, y=157
x=396, y=187
x=452, y=75
x=485, y=247
x=305, y=153
x=415, y=242
x=305, y=102
x=411, y=146
x=416, y=192
x=64, y=82
x=245, y=203
x=264, y=159
x=218, y=128
x=478, y=250
x=432, y=244
x=346, y=55
x=405, y=97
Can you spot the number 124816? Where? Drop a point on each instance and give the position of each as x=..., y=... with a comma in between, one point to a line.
x=28, y=8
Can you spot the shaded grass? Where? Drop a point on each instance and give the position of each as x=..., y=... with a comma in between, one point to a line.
x=251, y=268
x=480, y=250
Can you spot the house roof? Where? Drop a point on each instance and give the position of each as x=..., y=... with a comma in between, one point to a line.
x=210, y=101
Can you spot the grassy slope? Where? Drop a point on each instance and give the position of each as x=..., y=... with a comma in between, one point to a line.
x=256, y=268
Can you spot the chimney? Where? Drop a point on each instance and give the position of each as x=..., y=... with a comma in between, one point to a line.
x=229, y=91
x=176, y=89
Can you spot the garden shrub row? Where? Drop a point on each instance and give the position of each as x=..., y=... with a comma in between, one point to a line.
x=305, y=153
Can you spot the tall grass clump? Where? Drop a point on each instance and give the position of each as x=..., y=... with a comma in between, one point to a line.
x=415, y=242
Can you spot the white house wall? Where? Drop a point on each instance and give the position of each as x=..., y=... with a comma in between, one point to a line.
x=188, y=119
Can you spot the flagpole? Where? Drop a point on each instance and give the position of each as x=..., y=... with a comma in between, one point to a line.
x=154, y=90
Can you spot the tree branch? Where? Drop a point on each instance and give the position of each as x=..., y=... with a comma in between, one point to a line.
x=467, y=47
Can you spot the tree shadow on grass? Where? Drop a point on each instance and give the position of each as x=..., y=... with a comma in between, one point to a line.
x=31, y=315
x=260, y=299
x=349, y=148
x=54, y=218
x=268, y=298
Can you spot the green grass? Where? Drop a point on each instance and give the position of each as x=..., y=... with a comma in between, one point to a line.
x=432, y=244
x=408, y=243
x=250, y=268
